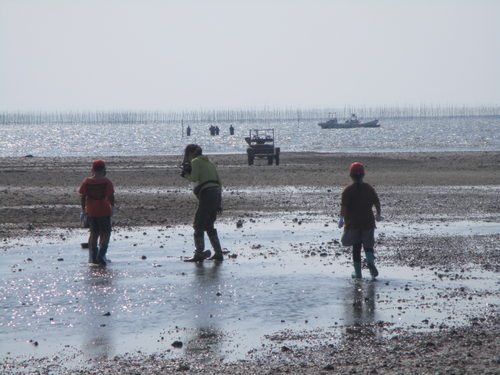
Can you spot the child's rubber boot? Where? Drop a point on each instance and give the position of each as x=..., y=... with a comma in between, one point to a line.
x=93, y=255
x=199, y=244
x=370, y=260
x=357, y=270
x=101, y=257
x=214, y=241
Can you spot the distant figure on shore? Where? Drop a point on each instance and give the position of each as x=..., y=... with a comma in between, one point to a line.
x=188, y=131
x=212, y=130
x=208, y=191
x=231, y=130
x=356, y=205
x=217, y=130
x=97, y=202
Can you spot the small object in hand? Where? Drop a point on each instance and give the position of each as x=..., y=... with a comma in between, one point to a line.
x=187, y=168
x=379, y=218
x=341, y=222
x=84, y=219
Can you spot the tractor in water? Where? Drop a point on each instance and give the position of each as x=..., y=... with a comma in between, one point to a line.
x=261, y=145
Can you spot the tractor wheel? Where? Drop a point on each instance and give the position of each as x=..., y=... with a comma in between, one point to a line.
x=270, y=160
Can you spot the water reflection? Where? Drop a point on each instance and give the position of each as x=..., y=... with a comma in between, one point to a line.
x=363, y=302
x=360, y=309
x=98, y=339
x=205, y=337
x=359, y=305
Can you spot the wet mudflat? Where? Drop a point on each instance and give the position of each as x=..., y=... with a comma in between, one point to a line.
x=285, y=282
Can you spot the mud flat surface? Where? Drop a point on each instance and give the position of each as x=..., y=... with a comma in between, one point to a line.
x=149, y=191
x=283, y=300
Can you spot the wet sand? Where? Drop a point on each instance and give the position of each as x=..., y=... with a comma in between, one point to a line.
x=43, y=192
x=39, y=199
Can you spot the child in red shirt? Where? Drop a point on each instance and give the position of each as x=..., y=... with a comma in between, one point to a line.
x=98, y=202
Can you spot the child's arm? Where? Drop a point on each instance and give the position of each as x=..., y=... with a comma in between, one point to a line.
x=111, y=200
x=83, y=202
x=376, y=203
x=195, y=172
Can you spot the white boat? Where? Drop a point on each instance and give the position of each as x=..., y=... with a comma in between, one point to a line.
x=353, y=122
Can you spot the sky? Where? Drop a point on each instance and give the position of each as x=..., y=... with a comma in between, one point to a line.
x=68, y=55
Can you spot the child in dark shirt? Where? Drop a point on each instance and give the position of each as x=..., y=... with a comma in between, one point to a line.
x=356, y=217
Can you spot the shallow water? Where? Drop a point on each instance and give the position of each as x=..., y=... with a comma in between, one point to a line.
x=289, y=276
x=394, y=135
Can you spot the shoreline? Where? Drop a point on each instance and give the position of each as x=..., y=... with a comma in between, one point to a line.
x=210, y=154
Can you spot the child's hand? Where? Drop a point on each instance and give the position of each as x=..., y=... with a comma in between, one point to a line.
x=83, y=215
x=341, y=222
x=112, y=210
x=379, y=218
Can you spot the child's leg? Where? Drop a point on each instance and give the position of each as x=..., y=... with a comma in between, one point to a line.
x=101, y=234
x=356, y=260
x=103, y=247
x=370, y=260
x=93, y=250
x=93, y=239
x=104, y=232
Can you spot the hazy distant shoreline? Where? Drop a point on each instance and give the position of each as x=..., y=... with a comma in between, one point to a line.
x=138, y=117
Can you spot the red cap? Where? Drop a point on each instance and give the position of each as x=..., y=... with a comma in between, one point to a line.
x=98, y=163
x=356, y=168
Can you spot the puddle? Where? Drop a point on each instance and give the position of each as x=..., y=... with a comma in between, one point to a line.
x=289, y=275
x=463, y=228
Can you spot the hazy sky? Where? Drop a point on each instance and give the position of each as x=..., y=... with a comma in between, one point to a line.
x=187, y=54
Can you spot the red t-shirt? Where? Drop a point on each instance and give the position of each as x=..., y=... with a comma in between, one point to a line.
x=97, y=191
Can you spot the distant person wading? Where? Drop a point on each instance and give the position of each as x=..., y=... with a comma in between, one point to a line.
x=199, y=169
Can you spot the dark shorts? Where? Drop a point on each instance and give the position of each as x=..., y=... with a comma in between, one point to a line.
x=100, y=224
x=353, y=237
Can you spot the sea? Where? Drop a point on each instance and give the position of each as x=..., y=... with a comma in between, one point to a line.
x=429, y=134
